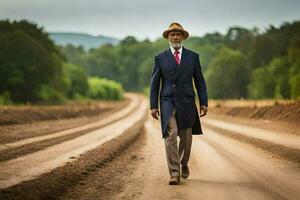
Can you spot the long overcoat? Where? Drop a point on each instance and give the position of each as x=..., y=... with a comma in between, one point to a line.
x=171, y=87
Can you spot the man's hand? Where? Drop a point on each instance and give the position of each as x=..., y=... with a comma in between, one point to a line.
x=203, y=111
x=155, y=113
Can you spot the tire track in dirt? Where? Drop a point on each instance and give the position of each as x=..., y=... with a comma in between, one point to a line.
x=32, y=165
x=34, y=144
x=14, y=133
x=278, y=150
x=281, y=138
x=276, y=178
x=101, y=165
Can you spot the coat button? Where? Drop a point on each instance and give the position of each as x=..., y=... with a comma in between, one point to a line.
x=171, y=72
x=174, y=85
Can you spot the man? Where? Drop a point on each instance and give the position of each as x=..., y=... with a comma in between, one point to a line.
x=174, y=70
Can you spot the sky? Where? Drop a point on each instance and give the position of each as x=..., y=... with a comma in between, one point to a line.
x=148, y=19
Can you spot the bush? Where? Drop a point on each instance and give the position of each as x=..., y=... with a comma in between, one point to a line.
x=5, y=98
x=49, y=95
x=78, y=81
x=104, y=89
x=146, y=91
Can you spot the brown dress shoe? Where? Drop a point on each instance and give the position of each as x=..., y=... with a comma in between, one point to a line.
x=174, y=180
x=185, y=172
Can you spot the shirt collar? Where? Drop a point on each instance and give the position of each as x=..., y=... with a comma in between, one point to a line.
x=173, y=50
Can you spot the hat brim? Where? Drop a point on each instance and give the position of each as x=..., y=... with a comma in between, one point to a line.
x=185, y=33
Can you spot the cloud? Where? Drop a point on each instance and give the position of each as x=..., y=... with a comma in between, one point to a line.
x=149, y=18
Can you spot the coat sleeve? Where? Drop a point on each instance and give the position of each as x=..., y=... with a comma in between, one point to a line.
x=155, y=84
x=200, y=83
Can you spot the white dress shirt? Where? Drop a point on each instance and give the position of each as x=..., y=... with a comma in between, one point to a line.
x=173, y=51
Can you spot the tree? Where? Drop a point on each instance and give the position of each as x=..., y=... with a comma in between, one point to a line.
x=240, y=38
x=271, y=81
x=26, y=62
x=294, y=59
x=228, y=75
x=78, y=80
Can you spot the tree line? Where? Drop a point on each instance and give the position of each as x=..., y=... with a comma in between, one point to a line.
x=242, y=63
x=33, y=69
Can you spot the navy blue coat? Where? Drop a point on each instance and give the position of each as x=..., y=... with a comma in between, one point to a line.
x=172, y=85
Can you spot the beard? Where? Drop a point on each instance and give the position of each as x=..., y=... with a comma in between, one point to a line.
x=175, y=45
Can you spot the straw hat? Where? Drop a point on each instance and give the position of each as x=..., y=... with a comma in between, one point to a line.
x=175, y=27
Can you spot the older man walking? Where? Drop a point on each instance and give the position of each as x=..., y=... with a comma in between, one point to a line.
x=174, y=70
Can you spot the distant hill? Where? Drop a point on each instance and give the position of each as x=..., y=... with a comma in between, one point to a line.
x=85, y=40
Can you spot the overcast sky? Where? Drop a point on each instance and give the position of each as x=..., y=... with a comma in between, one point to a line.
x=148, y=19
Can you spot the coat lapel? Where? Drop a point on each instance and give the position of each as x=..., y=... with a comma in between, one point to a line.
x=172, y=59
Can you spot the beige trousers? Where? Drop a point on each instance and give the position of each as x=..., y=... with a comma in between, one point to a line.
x=177, y=155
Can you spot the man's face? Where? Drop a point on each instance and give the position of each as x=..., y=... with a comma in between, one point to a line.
x=175, y=39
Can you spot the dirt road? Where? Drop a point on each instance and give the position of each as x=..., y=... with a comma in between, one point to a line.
x=230, y=161
x=27, y=167
x=221, y=168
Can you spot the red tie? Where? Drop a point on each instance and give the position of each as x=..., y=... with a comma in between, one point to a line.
x=177, y=56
